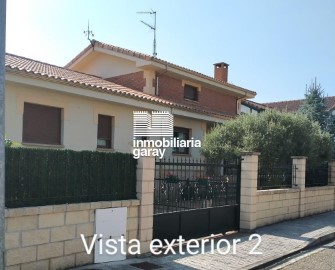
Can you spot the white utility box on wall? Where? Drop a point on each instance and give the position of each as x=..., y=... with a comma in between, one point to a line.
x=110, y=223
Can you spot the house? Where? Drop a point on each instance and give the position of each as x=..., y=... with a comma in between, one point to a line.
x=89, y=104
x=293, y=105
x=251, y=107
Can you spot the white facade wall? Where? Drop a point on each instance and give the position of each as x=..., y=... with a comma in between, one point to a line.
x=80, y=118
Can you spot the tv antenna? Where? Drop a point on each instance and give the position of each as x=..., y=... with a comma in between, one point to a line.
x=89, y=32
x=153, y=27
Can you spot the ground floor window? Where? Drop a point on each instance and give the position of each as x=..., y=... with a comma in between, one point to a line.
x=41, y=124
x=182, y=134
x=104, y=131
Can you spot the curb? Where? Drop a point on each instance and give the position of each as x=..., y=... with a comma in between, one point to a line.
x=269, y=261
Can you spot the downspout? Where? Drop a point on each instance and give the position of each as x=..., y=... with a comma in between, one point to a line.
x=157, y=80
x=245, y=94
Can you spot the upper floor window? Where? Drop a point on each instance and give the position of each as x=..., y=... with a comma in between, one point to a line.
x=104, y=131
x=41, y=124
x=190, y=92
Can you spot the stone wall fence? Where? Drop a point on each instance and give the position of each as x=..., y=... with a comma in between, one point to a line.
x=48, y=237
x=264, y=207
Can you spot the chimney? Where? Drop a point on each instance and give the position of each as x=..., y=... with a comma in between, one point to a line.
x=221, y=71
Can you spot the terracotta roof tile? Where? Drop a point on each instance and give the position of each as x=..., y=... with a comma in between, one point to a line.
x=254, y=104
x=154, y=59
x=293, y=105
x=45, y=71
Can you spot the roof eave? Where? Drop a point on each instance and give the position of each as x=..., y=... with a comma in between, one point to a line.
x=157, y=64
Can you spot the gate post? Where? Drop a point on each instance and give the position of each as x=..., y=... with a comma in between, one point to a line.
x=331, y=168
x=299, y=164
x=145, y=193
x=248, y=202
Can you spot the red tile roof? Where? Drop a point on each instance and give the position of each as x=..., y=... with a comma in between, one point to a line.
x=253, y=104
x=44, y=71
x=154, y=59
x=293, y=105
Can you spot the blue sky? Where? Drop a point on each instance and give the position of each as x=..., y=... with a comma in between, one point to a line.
x=273, y=47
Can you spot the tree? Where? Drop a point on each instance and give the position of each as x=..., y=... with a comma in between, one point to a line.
x=276, y=135
x=314, y=105
x=315, y=108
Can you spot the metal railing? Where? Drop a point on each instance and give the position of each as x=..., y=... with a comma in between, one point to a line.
x=317, y=174
x=184, y=184
x=276, y=176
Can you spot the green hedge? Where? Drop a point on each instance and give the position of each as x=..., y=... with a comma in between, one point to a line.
x=43, y=177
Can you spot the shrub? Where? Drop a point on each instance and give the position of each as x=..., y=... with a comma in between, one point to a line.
x=276, y=135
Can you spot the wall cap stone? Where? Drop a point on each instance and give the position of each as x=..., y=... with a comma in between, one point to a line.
x=276, y=191
x=48, y=209
x=250, y=153
x=299, y=157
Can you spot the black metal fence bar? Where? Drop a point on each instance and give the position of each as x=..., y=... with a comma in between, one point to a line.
x=184, y=184
x=275, y=176
x=317, y=174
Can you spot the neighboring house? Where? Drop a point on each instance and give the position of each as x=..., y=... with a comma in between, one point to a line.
x=89, y=104
x=293, y=105
x=251, y=107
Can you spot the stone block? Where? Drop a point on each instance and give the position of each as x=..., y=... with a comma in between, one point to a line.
x=45, y=209
x=106, y=204
x=51, y=250
x=125, y=203
x=86, y=229
x=59, y=208
x=35, y=237
x=145, y=235
x=84, y=258
x=39, y=265
x=14, y=267
x=63, y=233
x=30, y=211
x=51, y=220
x=77, y=217
x=95, y=205
x=74, y=246
x=21, y=223
x=62, y=262
x=116, y=204
x=147, y=198
x=133, y=211
x=145, y=223
x=132, y=224
x=135, y=202
x=20, y=255
x=12, y=240
x=146, y=210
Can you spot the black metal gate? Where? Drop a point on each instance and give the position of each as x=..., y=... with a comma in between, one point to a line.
x=195, y=198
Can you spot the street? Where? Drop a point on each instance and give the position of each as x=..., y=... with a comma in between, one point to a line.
x=322, y=258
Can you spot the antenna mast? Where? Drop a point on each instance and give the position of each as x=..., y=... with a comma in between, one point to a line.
x=153, y=27
x=89, y=32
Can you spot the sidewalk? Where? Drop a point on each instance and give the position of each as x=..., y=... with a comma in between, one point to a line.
x=277, y=240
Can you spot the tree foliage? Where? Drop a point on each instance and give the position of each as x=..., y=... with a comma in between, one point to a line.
x=276, y=135
x=315, y=107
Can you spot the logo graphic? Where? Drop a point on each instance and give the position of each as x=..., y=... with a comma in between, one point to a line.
x=157, y=124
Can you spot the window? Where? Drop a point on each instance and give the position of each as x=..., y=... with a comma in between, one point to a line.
x=104, y=131
x=190, y=92
x=41, y=124
x=210, y=126
x=182, y=134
